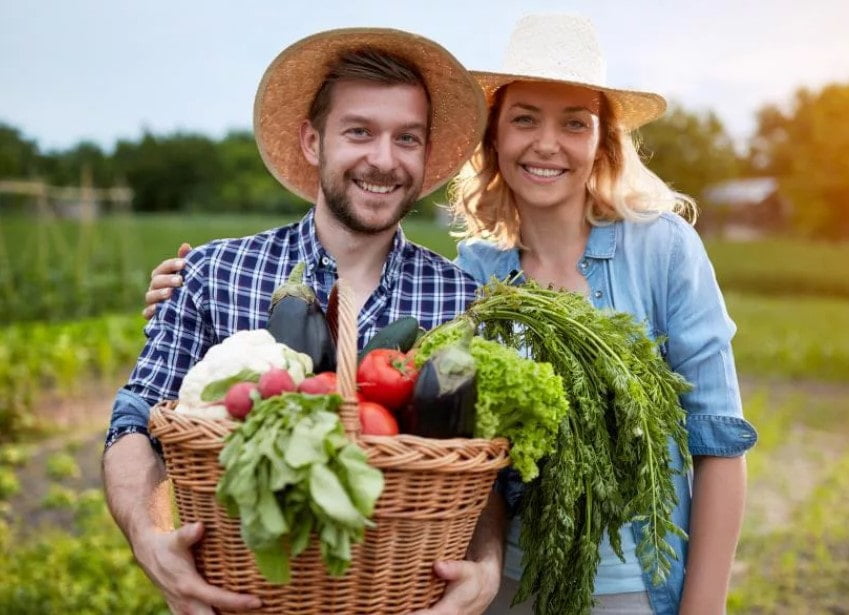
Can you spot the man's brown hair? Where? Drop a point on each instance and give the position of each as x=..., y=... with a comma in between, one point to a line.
x=366, y=64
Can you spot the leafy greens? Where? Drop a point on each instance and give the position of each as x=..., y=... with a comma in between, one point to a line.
x=518, y=399
x=610, y=464
x=289, y=472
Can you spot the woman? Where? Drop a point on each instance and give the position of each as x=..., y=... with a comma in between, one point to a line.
x=557, y=191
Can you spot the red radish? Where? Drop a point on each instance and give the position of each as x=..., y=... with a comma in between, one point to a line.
x=320, y=384
x=240, y=399
x=274, y=382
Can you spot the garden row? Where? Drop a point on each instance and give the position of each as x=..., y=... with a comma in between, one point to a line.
x=62, y=358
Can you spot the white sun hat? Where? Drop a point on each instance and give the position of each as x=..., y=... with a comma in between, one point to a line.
x=565, y=49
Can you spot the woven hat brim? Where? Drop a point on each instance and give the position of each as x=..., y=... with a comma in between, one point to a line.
x=631, y=108
x=458, y=108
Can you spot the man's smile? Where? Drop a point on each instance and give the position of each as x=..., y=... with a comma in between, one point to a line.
x=375, y=188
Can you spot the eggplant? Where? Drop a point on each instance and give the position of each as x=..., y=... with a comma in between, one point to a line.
x=445, y=395
x=296, y=319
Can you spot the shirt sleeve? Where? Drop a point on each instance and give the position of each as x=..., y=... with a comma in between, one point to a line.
x=177, y=337
x=699, y=333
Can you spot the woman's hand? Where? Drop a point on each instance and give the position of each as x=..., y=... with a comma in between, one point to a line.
x=163, y=280
x=473, y=583
x=472, y=586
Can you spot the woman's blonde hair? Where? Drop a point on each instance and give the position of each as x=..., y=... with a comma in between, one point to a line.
x=620, y=187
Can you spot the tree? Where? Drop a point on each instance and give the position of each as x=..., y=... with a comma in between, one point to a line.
x=18, y=156
x=65, y=168
x=807, y=149
x=689, y=151
x=168, y=173
x=244, y=183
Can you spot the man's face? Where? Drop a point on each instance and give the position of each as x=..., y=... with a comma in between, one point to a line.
x=371, y=153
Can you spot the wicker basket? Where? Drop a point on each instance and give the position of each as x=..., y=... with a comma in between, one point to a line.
x=434, y=492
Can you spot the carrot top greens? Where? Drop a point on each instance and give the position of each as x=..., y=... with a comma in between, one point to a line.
x=611, y=459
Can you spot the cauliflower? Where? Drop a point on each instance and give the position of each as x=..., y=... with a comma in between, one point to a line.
x=253, y=350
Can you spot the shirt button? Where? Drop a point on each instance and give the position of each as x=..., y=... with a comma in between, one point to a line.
x=598, y=294
x=583, y=264
x=325, y=261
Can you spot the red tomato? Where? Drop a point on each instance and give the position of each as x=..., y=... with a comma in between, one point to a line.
x=388, y=377
x=320, y=384
x=376, y=420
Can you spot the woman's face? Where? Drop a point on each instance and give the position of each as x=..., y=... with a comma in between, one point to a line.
x=547, y=140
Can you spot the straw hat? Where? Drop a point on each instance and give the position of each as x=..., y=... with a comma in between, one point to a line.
x=458, y=110
x=564, y=48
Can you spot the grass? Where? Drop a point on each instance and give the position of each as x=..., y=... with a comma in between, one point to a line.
x=64, y=270
x=9, y=483
x=786, y=267
x=803, y=566
x=791, y=337
x=62, y=358
x=794, y=552
x=62, y=465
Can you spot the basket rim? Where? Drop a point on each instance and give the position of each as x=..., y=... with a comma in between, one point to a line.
x=169, y=406
x=165, y=424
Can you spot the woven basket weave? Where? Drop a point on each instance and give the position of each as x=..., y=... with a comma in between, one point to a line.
x=434, y=492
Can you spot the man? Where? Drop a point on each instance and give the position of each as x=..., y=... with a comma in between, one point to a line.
x=362, y=122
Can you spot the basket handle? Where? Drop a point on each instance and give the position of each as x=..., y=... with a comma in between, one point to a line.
x=346, y=360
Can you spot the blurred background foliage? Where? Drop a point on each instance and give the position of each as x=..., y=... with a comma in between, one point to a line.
x=805, y=147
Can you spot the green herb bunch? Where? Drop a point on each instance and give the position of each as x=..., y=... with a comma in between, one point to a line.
x=517, y=398
x=611, y=465
x=289, y=473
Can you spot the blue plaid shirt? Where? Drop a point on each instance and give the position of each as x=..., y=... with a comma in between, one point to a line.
x=228, y=286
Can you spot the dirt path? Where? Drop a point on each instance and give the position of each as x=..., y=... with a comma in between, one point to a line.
x=786, y=472
x=80, y=423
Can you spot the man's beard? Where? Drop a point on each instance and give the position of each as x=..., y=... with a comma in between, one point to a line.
x=339, y=203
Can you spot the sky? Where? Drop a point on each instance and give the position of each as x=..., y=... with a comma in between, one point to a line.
x=101, y=70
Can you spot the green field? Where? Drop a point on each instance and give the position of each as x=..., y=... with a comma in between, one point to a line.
x=791, y=337
x=782, y=267
x=62, y=270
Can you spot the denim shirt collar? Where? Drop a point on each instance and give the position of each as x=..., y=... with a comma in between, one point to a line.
x=602, y=241
x=601, y=244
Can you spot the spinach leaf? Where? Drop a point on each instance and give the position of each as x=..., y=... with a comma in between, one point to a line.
x=215, y=391
x=291, y=474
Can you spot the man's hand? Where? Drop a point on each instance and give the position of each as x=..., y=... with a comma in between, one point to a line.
x=138, y=497
x=167, y=559
x=472, y=586
x=164, y=279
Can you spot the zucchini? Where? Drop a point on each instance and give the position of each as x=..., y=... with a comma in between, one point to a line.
x=400, y=335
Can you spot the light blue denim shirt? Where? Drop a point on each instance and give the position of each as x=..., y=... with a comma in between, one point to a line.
x=659, y=272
